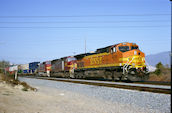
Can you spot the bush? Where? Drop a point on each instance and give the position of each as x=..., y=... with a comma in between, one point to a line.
x=9, y=79
x=157, y=72
x=162, y=73
x=24, y=89
x=159, y=65
x=159, y=68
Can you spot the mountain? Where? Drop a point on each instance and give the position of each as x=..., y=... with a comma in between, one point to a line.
x=163, y=57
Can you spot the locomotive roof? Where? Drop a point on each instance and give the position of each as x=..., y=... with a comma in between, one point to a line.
x=82, y=55
x=104, y=48
x=110, y=46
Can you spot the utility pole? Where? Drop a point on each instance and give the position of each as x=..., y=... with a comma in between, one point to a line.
x=171, y=35
x=85, y=46
x=4, y=67
x=16, y=71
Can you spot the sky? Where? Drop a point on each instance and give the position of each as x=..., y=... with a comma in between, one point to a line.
x=41, y=30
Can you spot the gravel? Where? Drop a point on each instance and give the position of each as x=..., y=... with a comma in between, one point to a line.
x=125, y=100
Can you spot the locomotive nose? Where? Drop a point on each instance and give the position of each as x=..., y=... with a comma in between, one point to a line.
x=136, y=52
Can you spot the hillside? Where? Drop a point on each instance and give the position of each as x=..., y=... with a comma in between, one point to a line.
x=163, y=57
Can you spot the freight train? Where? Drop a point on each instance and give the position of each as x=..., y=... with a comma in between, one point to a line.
x=122, y=61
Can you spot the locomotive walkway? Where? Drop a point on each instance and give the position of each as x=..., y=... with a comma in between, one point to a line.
x=131, y=86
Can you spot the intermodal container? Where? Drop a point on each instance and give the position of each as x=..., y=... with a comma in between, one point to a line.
x=13, y=68
x=24, y=66
x=26, y=71
x=33, y=66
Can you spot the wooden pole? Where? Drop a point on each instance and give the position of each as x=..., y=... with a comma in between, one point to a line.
x=16, y=75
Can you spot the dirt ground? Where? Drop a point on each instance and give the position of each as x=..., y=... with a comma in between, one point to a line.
x=15, y=100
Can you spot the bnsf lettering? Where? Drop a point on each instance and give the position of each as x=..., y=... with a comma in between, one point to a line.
x=97, y=60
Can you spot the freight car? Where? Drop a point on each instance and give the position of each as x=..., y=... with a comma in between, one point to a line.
x=28, y=69
x=33, y=67
x=23, y=68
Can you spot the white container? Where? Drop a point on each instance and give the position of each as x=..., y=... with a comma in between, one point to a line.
x=13, y=68
x=24, y=67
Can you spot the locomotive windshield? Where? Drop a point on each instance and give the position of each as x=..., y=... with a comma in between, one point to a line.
x=124, y=48
x=134, y=47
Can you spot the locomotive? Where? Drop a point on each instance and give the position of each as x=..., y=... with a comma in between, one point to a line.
x=123, y=61
x=44, y=68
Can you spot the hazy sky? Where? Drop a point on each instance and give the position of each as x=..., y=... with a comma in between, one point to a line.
x=40, y=30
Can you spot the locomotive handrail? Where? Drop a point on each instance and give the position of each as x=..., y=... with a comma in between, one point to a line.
x=126, y=65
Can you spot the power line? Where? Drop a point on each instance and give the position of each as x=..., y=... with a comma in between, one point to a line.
x=43, y=27
x=112, y=15
x=83, y=22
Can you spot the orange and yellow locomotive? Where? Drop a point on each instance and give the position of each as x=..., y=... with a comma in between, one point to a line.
x=123, y=61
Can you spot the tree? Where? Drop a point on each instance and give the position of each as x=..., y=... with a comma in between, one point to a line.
x=159, y=68
x=159, y=65
x=3, y=65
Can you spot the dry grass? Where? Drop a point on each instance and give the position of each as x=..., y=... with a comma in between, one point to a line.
x=164, y=76
x=9, y=79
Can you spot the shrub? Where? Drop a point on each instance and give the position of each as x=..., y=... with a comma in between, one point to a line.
x=157, y=72
x=9, y=79
x=24, y=89
x=159, y=68
x=162, y=73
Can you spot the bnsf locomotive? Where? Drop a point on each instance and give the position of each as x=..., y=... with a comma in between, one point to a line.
x=123, y=61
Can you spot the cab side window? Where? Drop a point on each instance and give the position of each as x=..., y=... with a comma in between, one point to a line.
x=113, y=49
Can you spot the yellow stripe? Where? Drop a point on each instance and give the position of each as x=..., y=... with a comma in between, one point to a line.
x=97, y=55
x=105, y=65
x=136, y=59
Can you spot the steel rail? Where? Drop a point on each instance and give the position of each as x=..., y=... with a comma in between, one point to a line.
x=129, y=87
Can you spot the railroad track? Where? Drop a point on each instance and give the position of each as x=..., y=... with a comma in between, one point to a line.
x=131, y=86
x=153, y=83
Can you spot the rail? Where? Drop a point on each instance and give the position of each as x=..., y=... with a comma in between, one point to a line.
x=122, y=86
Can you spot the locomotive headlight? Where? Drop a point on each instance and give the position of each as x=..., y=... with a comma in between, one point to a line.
x=135, y=52
x=143, y=59
x=133, y=64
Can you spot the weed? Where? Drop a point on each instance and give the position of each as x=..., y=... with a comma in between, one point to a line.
x=24, y=89
x=9, y=79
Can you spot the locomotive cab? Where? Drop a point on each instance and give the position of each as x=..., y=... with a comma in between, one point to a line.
x=132, y=60
x=71, y=65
